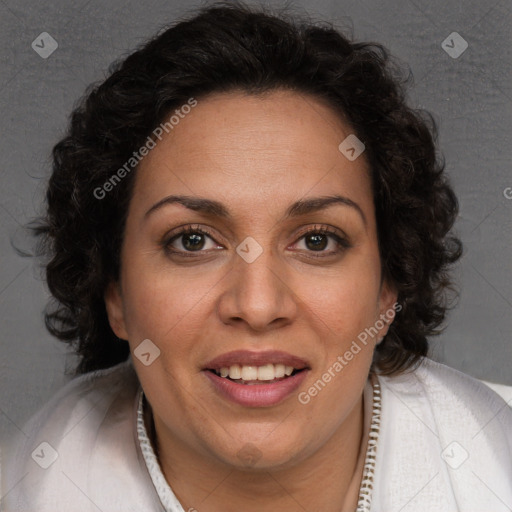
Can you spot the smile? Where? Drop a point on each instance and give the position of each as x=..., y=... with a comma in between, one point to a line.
x=256, y=379
x=255, y=374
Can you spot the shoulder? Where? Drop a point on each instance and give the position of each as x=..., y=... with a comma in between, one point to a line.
x=451, y=393
x=446, y=433
x=69, y=442
x=80, y=404
x=85, y=398
x=439, y=380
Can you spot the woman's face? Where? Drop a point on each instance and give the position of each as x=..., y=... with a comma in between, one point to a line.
x=278, y=265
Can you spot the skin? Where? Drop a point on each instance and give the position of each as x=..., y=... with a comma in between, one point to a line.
x=256, y=155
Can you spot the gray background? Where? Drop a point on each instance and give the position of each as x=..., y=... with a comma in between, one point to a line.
x=470, y=96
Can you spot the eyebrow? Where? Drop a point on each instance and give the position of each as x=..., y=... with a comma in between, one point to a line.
x=314, y=204
x=297, y=209
x=197, y=204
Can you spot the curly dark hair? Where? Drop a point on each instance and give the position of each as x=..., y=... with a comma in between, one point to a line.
x=232, y=47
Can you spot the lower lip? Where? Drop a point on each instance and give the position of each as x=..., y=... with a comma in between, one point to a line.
x=256, y=395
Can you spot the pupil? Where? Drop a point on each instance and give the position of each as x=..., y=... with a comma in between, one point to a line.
x=318, y=242
x=193, y=241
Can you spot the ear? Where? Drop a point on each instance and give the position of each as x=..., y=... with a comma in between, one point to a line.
x=387, y=307
x=115, y=310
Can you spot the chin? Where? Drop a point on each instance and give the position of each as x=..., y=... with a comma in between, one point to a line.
x=264, y=455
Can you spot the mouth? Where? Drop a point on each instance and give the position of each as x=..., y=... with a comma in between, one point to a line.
x=256, y=375
x=256, y=379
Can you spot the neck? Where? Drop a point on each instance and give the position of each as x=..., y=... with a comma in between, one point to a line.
x=328, y=480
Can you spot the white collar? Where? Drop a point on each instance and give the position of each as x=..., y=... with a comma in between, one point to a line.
x=164, y=491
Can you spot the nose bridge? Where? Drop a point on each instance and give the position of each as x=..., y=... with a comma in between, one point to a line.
x=261, y=275
x=258, y=293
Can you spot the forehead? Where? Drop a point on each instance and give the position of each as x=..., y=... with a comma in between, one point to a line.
x=240, y=147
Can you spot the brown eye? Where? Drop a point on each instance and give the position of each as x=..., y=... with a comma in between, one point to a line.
x=317, y=242
x=324, y=241
x=188, y=241
x=193, y=241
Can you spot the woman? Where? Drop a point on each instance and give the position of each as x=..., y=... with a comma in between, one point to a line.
x=249, y=241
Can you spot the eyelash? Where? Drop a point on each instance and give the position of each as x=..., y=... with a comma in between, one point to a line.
x=341, y=241
x=166, y=243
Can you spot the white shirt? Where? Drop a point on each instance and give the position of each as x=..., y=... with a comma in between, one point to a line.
x=445, y=444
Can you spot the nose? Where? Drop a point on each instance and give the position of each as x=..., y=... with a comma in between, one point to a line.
x=258, y=294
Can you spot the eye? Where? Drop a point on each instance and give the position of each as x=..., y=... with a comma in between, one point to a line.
x=191, y=239
x=323, y=239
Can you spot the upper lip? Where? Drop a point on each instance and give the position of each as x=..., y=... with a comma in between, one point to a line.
x=251, y=358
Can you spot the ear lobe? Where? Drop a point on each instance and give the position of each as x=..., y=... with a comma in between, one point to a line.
x=387, y=305
x=115, y=311
x=388, y=297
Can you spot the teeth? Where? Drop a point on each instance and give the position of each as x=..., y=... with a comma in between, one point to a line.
x=266, y=372
x=250, y=373
x=235, y=372
x=279, y=369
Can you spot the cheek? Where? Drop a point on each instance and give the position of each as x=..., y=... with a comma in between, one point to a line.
x=159, y=300
x=161, y=308
x=346, y=307
x=345, y=302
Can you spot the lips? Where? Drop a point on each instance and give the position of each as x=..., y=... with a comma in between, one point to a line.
x=256, y=379
x=248, y=358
